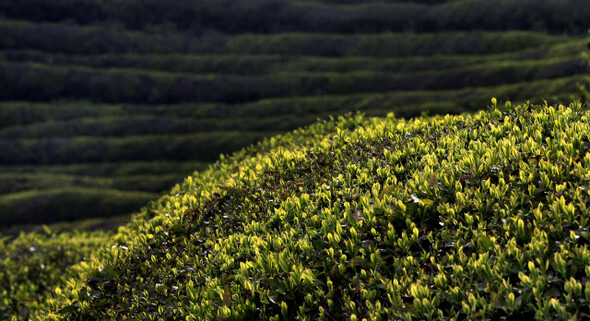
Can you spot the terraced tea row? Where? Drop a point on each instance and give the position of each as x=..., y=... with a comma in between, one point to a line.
x=47, y=205
x=270, y=64
x=27, y=119
x=271, y=16
x=137, y=126
x=78, y=40
x=19, y=182
x=106, y=170
x=40, y=83
x=200, y=146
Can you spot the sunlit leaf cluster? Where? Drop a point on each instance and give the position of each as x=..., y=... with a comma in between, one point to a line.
x=480, y=216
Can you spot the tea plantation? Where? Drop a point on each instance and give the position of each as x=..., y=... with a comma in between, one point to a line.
x=473, y=216
x=104, y=105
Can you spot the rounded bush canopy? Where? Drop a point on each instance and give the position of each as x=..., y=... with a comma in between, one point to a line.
x=476, y=216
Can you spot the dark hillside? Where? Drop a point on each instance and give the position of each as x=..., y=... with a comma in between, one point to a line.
x=121, y=99
x=275, y=16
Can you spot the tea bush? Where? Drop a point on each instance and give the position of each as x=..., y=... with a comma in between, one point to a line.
x=63, y=150
x=46, y=205
x=481, y=216
x=139, y=87
x=33, y=264
x=19, y=182
x=343, y=16
x=264, y=64
x=82, y=40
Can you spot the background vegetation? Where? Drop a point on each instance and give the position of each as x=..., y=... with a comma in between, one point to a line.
x=105, y=104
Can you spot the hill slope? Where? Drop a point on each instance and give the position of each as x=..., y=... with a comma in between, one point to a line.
x=449, y=217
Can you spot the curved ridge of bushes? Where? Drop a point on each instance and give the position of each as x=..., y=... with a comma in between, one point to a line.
x=481, y=216
x=271, y=16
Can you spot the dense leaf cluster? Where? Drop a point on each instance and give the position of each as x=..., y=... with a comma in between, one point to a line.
x=32, y=265
x=454, y=217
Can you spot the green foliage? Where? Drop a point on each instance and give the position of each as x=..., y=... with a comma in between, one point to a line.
x=32, y=265
x=481, y=216
x=143, y=87
x=342, y=16
x=47, y=205
x=103, y=170
x=19, y=182
x=584, y=85
x=23, y=119
x=256, y=64
x=95, y=95
x=80, y=40
x=197, y=146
